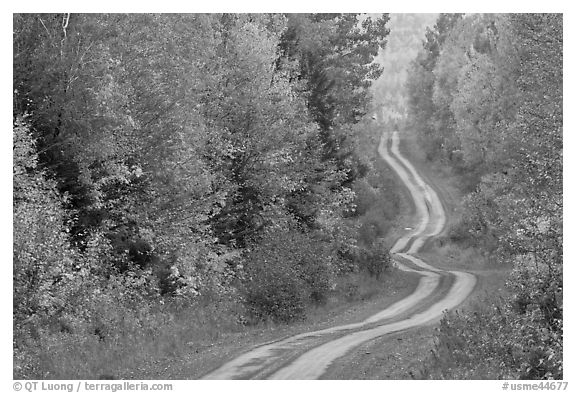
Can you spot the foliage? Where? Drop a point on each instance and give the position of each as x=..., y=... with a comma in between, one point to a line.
x=284, y=272
x=375, y=260
x=334, y=55
x=42, y=256
x=422, y=111
x=497, y=97
x=155, y=156
x=494, y=342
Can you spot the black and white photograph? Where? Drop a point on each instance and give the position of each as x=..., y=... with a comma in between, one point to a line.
x=286, y=196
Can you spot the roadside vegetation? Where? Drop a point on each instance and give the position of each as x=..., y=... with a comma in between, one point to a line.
x=485, y=102
x=177, y=178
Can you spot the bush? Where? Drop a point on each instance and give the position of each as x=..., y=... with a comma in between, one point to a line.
x=366, y=197
x=375, y=259
x=285, y=271
x=494, y=342
x=276, y=294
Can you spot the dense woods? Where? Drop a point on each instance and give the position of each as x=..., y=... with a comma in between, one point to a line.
x=485, y=98
x=182, y=171
x=181, y=176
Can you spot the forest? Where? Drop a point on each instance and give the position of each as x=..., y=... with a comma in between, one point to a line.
x=484, y=98
x=185, y=172
x=180, y=179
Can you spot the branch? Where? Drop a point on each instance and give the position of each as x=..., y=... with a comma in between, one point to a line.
x=65, y=21
x=45, y=28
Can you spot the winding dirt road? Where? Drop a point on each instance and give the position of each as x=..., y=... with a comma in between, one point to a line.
x=308, y=355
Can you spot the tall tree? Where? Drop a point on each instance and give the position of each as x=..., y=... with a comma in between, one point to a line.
x=498, y=87
x=334, y=54
x=421, y=86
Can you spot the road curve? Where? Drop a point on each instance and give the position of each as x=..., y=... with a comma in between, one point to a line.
x=268, y=361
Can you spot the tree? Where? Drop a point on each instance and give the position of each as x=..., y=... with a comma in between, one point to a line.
x=42, y=255
x=423, y=90
x=500, y=78
x=159, y=152
x=334, y=54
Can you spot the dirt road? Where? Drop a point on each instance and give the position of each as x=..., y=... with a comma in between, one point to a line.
x=308, y=355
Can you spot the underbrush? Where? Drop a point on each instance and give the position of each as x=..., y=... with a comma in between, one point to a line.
x=286, y=271
x=502, y=334
x=163, y=331
x=505, y=334
x=110, y=324
x=452, y=255
x=167, y=332
x=379, y=200
x=358, y=287
x=515, y=330
x=493, y=341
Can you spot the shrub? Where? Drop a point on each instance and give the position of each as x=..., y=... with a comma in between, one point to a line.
x=375, y=259
x=284, y=271
x=494, y=342
x=276, y=294
x=366, y=196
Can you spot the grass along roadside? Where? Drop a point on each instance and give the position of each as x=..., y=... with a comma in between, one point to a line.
x=199, y=339
x=402, y=355
x=370, y=296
